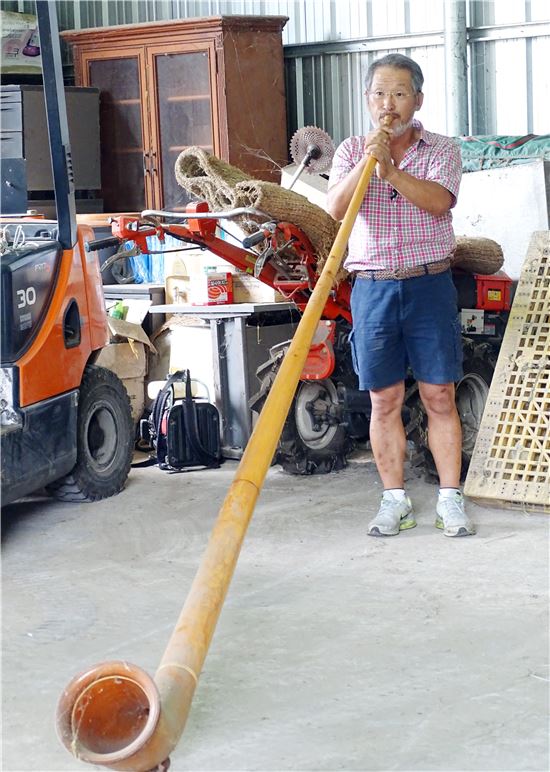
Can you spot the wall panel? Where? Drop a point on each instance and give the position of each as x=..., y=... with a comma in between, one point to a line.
x=330, y=43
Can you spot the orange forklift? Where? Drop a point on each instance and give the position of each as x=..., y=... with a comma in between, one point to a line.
x=65, y=423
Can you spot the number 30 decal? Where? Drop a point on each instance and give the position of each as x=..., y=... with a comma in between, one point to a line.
x=26, y=297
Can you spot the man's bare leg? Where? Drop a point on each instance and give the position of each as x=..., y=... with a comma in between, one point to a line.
x=387, y=435
x=388, y=443
x=444, y=431
x=445, y=441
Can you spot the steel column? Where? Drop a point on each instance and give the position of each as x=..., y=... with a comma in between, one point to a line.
x=456, y=51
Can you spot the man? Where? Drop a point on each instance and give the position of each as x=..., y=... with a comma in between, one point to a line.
x=403, y=301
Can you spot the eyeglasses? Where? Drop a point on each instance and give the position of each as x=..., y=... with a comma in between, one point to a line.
x=399, y=96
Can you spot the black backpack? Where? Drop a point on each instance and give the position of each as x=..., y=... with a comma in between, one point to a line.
x=183, y=433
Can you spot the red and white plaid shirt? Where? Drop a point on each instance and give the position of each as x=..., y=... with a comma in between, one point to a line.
x=390, y=232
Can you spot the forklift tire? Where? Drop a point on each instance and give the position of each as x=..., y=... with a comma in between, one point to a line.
x=470, y=396
x=105, y=440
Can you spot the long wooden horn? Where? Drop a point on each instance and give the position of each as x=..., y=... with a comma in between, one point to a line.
x=114, y=714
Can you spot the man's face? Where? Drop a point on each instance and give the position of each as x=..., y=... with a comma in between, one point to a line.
x=392, y=93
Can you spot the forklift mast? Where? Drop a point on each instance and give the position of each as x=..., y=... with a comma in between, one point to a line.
x=58, y=129
x=53, y=309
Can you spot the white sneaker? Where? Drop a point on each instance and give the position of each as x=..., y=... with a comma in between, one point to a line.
x=393, y=516
x=452, y=518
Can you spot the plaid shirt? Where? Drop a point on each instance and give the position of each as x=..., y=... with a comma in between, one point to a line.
x=390, y=232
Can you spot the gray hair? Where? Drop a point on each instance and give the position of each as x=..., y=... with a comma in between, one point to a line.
x=399, y=62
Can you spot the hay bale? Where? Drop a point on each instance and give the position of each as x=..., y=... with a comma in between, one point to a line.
x=476, y=254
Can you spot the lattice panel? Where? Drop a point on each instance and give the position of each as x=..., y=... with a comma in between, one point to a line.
x=511, y=460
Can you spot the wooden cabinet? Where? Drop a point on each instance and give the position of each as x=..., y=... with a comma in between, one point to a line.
x=216, y=82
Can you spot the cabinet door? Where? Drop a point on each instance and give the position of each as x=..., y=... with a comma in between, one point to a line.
x=125, y=162
x=184, y=113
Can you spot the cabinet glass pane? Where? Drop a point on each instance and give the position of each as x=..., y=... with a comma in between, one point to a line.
x=121, y=130
x=185, y=115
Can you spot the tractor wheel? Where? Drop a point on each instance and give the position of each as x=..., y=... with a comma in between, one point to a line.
x=105, y=440
x=313, y=440
x=471, y=395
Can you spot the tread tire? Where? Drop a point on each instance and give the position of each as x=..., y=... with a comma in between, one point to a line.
x=105, y=440
x=325, y=451
x=301, y=456
x=471, y=394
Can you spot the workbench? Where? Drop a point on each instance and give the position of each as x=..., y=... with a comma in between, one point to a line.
x=241, y=335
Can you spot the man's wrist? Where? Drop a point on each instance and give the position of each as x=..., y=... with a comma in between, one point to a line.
x=392, y=177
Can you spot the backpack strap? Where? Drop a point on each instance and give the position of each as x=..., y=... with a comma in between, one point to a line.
x=157, y=414
x=192, y=430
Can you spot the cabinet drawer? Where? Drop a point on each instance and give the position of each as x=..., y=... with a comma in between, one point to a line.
x=9, y=94
x=11, y=144
x=11, y=113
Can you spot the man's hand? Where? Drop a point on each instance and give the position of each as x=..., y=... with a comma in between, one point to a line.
x=340, y=194
x=377, y=144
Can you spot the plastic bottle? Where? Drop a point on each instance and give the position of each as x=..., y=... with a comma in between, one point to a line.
x=117, y=312
x=32, y=48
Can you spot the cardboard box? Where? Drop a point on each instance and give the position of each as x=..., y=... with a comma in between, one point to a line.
x=129, y=362
x=124, y=330
x=127, y=358
x=247, y=289
x=136, y=393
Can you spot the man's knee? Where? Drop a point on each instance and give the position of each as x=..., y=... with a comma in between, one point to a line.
x=438, y=399
x=387, y=401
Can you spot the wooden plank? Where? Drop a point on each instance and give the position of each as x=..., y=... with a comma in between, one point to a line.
x=511, y=461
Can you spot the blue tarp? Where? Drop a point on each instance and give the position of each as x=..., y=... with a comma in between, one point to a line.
x=491, y=151
x=149, y=269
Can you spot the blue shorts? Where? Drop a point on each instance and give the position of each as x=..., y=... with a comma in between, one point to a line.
x=407, y=323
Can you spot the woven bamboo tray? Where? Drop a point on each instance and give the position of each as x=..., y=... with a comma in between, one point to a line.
x=510, y=465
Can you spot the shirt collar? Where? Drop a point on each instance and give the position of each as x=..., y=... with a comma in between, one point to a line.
x=425, y=136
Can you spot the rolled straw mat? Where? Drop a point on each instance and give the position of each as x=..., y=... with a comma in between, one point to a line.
x=222, y=185
x=476, y=254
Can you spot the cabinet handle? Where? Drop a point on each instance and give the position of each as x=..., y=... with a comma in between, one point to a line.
x=145, y=165
x=154, y=162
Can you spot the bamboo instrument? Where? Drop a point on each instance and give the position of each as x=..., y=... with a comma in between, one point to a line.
x=114, y=714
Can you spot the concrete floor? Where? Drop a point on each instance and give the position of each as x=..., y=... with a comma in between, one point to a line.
x=334, y=650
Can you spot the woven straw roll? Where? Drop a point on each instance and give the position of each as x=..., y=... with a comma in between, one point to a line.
x=476, y=254
x=224, y=186
x=207, y=178
x=285, y=205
